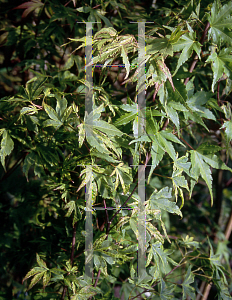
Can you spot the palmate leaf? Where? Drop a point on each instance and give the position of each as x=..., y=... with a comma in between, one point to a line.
x=61, y=105
x=187, y=289
x=196, y=104
x=186, y=44
x=97, y=131
x=54, y=118
x=178, y=96
x=220, y=22
x=207, y=148
x=86, y=292
x=201, y=167
x=123, y=175
x=166, y=292
x=159, y=200
x=125, y=118
x=106, y=128
x=221, y=63
x=38, y=273
x=34, y=87
x=161, y=258
x=173, y=116
x=71, y=206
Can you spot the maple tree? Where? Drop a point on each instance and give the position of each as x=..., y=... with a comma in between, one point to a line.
x=54, y=154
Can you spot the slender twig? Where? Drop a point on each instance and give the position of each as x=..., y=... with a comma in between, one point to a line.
x=107, y=216
x=64, y=292
x=165, y=124
x=95, y=284
x=186, y=143
x=73, y=242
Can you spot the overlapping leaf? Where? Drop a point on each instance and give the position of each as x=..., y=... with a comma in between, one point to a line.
x=220, y=22
x=221, y=64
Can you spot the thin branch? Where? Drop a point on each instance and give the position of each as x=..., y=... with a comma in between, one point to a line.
x=64, y=292
x=107, y=216
x=186, y=143
x=95, y=284
x=165, y=124
x=73, y=242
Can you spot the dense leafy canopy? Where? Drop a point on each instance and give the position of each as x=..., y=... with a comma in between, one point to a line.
x=52, y=150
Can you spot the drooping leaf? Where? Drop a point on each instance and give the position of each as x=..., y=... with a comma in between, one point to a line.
x=201, y=168
x=7, y=146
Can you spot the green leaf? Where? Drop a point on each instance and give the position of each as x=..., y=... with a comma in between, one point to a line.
x=173, y=116
x=125, y=119
x=228, y=131
x=40, y=262
x=196, y=103
x=86, y=292
x=156, y=154
x=61, y=106
x=32, y=272
x=166, y=292
x=186, y=44
x=107, y=128
x=46, y=278
x=71, y=205
x=207, y=148
x=187, y=289
x=215, y=162
x=125, y=61
x=159, y=200
x=166, y=144
x=7, y=146
x=36, y=279
x=200, y=167
x=220, y=22
x=179, y=95
x=161, y=45
x=51, y=112
x=221, y=64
